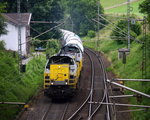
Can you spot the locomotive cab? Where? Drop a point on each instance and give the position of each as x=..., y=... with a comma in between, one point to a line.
x=61, y=72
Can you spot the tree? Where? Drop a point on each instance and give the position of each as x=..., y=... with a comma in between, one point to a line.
x=42, y=10
x=135, y=30
x=82, y=12
x=47, y=11
x=2, y=20
x=52, y=47
x=145, y=8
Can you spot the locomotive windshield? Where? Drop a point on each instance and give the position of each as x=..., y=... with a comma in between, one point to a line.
x=69, y=49
x=60, y=60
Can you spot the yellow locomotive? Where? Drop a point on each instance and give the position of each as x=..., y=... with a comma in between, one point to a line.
x=62, y=71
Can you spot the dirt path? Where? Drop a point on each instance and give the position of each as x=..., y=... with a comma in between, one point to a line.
x=118, y=5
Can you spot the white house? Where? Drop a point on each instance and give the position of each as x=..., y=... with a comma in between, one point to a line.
x=11, y=38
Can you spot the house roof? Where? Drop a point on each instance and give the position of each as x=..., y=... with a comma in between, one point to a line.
x=14, y=18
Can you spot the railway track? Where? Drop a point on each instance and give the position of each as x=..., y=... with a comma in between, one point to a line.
x=55, y=112
x=93, y=88
x=105, y=97
x=98, y=91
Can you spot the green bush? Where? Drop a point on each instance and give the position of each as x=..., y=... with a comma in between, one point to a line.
x=52, y=47
x=15, y=87
x=2, y=45
x=91, y=34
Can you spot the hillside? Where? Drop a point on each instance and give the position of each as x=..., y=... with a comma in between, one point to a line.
x=110, y=48
x=110, y=3
x=133, y=68
x=120, y=7
x=17, y=87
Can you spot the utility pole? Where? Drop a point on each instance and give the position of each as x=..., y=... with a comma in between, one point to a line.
x=128, y=15
x=144, y=54
x=19, y=35
x=98, y=25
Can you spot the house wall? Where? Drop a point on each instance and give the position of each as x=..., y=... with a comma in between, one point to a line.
x=11, y=38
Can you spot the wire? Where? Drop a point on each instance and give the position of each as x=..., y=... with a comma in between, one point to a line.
x=108, y=26
x=117, y=31
x=118, y=27
x=34, y=30
x=45, y=32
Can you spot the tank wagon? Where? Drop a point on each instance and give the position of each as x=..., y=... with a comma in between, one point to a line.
x=62, y=71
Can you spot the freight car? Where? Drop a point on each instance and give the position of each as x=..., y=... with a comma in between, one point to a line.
x=62, y=71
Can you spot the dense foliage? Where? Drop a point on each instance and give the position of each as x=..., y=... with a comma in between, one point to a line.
x=42, y=10
x=15, y=87
x=145, y=8
x=131, y=70
x=52, y=47
x=49, y=10
x=91, y=33
x=2, y=20
x=121, y=36
x=82, y=12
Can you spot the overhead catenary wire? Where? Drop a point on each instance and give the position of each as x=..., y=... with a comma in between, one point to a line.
x=35, y=30
x=112, y=24
x=119, y=28
x=104, y=25
x=108, y=26
x=116, y=31
x=45, y=32
x=28, y=41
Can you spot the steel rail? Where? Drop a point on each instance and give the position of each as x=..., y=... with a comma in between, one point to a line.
x=80, y=107
x=97, y=107
x=142, y=80
x=105, y=86
x=13, y=103
x=44, y=117
x=105, y=81
x=46, y=113
x=130, y=89
x=122, y=96
x=125, y=111
x=119, y=104
x=94, y=112
x=64, y=112
x=92, y=85
x=89, y=96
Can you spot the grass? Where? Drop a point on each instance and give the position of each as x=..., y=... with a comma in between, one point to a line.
x=132, y=69
x=15, y=87
x=109, y=3
x=123, y=9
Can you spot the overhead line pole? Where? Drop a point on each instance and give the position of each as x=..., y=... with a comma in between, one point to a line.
x=19, y=36
x=128, y=15
x=98, y=23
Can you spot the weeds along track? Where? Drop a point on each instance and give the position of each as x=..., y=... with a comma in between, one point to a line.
x=97, y=92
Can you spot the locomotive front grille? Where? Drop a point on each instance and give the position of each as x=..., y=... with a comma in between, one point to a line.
x=59, y=83
x=46, y=77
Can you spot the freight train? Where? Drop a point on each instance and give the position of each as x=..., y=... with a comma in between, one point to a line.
x=62, y=71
